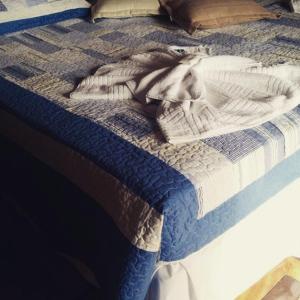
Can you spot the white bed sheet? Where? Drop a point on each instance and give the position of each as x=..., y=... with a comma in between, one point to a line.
x=237, y=259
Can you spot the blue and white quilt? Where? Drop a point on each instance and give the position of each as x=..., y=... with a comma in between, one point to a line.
x=162, y=201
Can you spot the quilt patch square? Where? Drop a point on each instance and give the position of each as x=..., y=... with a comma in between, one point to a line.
x=2, y=7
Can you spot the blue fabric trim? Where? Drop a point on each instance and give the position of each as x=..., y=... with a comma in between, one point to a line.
x=23, y=24
x=146, y=175
x=234, y=210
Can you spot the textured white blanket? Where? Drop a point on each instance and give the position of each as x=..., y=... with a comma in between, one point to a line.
x=198, y=95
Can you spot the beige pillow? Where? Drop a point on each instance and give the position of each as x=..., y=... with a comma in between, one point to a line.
x=124, y=8
x=203, y=14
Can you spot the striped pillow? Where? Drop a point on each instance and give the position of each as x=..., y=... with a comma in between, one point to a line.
x=21, y=14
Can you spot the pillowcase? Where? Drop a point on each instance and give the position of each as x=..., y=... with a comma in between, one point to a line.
x=125, y=8
x=203, y=14
x=21, y=14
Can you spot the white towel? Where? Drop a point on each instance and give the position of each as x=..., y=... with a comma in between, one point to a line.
x=295, y=5
x=198, y=95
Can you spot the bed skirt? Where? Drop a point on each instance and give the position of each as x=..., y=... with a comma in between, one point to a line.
x=230, y=264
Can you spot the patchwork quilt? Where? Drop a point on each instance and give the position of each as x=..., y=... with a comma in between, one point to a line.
x=166, y=201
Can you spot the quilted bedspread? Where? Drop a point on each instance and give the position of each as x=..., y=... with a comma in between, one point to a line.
x=166, y=201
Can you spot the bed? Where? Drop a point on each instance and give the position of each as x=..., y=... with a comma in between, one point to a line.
x=147, y=218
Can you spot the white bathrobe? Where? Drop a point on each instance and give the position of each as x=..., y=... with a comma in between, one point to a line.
x=198, y=95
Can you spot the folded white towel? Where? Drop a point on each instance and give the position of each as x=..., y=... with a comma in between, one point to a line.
x=295, y=5
x=199, y=96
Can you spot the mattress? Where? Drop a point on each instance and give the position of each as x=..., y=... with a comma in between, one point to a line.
x=166, y=201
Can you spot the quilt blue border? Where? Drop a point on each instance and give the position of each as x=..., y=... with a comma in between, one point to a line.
x=231, y=212
x=144, y=174
x=23, y=24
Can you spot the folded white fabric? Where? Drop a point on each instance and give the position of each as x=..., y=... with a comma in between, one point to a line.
x=295, y=5
x=198, y=95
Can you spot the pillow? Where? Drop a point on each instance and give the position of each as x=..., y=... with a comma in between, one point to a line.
x=21, y=14
x=203, y=14
x=124, y=8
